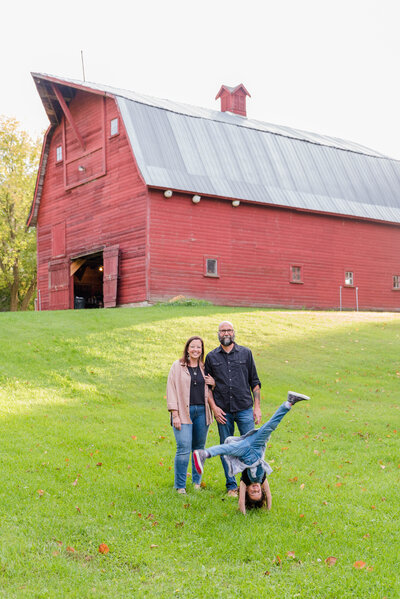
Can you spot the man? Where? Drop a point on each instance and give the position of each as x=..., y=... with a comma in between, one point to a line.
x=236, y=384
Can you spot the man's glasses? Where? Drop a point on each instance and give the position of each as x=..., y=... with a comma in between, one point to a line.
x=225, y=331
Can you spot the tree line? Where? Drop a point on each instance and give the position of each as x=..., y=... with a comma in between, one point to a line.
x=19, y=160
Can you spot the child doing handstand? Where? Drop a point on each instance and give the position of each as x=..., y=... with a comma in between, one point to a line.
x=246, y=455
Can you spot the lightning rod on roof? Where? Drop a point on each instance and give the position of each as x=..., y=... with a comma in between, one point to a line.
x=83, y=66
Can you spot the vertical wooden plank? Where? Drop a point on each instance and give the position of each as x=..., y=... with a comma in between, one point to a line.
x=58, y=239
x=59, y=285
x=110, y=276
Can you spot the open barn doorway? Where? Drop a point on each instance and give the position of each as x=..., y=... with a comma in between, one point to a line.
x=87, y=274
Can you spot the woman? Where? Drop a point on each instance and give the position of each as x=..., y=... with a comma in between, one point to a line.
x=246, y=454
x=187, y=401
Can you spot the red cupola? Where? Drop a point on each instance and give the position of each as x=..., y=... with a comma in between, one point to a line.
x=233, y=99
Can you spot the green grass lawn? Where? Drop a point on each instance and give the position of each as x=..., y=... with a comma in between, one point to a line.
x=87, y=456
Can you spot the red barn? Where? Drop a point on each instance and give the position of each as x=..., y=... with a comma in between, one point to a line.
x=140, y=199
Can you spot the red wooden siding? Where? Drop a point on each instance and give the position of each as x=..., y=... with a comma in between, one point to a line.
x=109, y=209
x=255, y=247
x=88, y=163
x=58, y=239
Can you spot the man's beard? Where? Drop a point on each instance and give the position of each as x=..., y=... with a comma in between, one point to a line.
x=226, y=340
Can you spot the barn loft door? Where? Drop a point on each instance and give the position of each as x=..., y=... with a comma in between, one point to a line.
x=110, y=276
x=59, y=284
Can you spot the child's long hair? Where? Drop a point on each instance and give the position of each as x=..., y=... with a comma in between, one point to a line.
x=184, y=358
x=250, y=504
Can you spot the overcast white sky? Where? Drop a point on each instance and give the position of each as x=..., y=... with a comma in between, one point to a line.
x=331, y=67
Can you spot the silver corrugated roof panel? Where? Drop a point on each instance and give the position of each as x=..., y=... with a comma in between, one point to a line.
x=218, y=157
x=208, y=152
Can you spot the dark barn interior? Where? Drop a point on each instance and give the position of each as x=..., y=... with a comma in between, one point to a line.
x=88, y=281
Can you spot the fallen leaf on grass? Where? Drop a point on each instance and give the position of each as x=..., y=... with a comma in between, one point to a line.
x=75, y=482
x=266, y=573
x=153, y=546
x=277, y=561
x=186, y=506
x=179, y=524
x=71, y=549
x=103, y=548
x=55, y=553
x=40, y=492
x=99, y=464
x=302, y=486
x=291, y=554
x=78, y=509
x=134, y=437
x=331, y=561
x=359, y=565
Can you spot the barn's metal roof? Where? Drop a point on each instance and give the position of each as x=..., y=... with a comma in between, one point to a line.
x=208, y=152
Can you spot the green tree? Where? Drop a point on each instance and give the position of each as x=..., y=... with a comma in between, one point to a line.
x=19, y=157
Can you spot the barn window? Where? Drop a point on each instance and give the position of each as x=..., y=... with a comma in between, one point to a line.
x=349, y=278
x=114, y=128
x=59, y=155
x=211, y=267
x=396, y=281
x=296, y=274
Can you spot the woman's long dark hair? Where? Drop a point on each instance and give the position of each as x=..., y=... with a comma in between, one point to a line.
x=250, y=504
x=185, y=359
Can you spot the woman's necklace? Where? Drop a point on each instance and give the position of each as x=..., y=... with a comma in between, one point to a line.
x=193, y=370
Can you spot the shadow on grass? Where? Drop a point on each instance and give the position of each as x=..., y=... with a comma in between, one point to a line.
x=125, y=354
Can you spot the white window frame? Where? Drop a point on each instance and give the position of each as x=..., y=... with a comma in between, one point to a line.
x=349, y=278
x=59, y=153
x=296, y=269
x=114, y=127
x=396, y=282
x=211, y=272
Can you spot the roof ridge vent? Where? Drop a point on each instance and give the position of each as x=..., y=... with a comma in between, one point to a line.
x=233, y=99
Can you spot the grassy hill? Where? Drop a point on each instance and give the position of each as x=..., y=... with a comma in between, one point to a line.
x=87, y=455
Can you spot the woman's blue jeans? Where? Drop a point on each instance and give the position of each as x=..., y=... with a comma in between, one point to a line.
x=251, y=448
x=190, y=437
